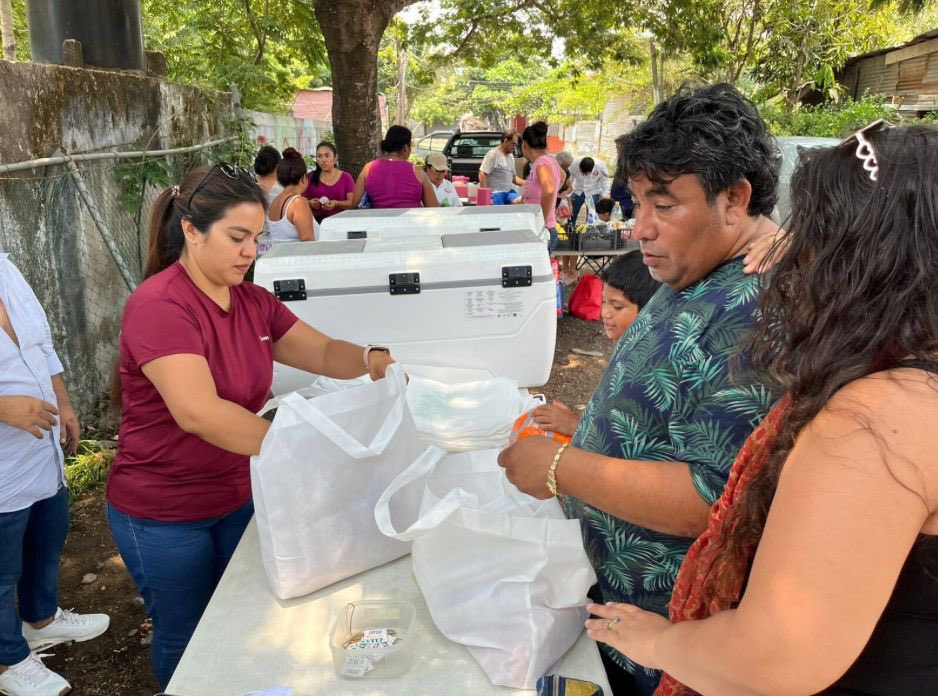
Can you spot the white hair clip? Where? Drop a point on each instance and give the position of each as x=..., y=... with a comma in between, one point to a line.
x=175, y=192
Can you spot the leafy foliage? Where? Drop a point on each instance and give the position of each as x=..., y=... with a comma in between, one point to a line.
x=269, y=48
x=87, y=469
x=832, y=120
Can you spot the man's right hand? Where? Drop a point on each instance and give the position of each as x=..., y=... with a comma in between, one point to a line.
x=28, y=413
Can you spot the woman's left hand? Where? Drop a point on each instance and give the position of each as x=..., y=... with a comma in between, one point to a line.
x=329, y=205
x=378, y=361
x=630, y=630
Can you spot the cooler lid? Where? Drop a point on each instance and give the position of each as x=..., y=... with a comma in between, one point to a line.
x=371, y=213
x=484, y=210
x=472, y=239
x=395, y=243
x=294, y=249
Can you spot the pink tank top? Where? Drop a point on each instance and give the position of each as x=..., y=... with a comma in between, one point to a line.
x=393, y=184
x=532, y=187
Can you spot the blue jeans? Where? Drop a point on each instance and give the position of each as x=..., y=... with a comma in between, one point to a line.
x=31, y=543
x=504, y=197
x=176, y=566
x=578, y=199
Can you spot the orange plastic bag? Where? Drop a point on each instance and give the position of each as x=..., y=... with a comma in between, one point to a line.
x=524, y=426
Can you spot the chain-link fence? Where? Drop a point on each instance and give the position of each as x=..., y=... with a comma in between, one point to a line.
x=76, y=227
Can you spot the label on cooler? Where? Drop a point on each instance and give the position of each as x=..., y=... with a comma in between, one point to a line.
x=493, y=304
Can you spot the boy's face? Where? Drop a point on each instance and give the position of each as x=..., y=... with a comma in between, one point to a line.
x=605, y=217
x=617, y=312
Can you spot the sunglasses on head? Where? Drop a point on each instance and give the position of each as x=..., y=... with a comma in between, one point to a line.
x=865, y=152
x=230, y=170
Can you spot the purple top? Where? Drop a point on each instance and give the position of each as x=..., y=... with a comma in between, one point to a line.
x=393, y=184
x=338, y=191
x=532, y=187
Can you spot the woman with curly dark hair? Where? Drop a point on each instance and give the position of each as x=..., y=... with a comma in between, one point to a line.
x=818, y=572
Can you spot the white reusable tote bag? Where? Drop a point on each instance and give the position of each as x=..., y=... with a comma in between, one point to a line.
x=321, y=468
x=502, y=573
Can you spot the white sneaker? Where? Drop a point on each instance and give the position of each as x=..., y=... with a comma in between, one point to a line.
x=65, y=627
x=32, y=678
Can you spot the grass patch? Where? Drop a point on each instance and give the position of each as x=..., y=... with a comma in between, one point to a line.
x=87, y=468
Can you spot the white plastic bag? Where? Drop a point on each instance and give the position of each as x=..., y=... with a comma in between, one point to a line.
x=322, y=466
x=502, y=573
x=469, y=415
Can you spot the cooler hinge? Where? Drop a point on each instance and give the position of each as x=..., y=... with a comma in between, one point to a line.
x=404, y=283
x=516, y=276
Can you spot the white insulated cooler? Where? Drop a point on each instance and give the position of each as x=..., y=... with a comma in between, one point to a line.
x=380, y=223
x=484, y=300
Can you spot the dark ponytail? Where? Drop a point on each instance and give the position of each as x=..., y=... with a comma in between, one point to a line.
x=535, y=135
x=396, y=139
x=317, y=172
x=204, y=197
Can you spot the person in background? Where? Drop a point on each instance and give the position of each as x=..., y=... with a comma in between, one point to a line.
x=265, y=168
x=497, y=171
x=658, y=437
x=196, y=363
x=604, y=208
x=286, y=221
x=392, y=181
x=589, y=178
x=565, y=159
x=543, y=183
x=36, y=422
x=817, y=572
x=436, y=168
x=627, y=288
x=329, y=190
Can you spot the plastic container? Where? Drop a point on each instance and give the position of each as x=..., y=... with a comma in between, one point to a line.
x=484, y=196
x=373, y=662
x=419, y=222
x=479, y=300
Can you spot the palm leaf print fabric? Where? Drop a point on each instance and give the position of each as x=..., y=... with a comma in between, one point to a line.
x=677, y=388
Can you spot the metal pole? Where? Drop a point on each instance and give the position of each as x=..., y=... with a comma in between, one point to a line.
x=100, y=224
x=63, y=159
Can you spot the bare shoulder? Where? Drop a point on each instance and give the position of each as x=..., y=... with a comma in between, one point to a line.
x=886, y=419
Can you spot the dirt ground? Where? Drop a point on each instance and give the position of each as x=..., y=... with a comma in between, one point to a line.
x=118, y=663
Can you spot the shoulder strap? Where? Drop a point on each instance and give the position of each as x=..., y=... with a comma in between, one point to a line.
x=286, y=203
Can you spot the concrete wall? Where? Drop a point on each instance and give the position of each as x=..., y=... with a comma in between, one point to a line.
x=285, y=131
x=44, y=225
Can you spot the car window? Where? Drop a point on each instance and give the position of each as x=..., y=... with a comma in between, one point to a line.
x=439, y=142
x=424, y=144
x=474, y=146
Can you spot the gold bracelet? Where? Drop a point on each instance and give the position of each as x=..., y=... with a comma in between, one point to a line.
x=552, y=471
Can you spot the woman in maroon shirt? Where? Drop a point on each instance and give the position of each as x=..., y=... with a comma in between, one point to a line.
x=196, y=363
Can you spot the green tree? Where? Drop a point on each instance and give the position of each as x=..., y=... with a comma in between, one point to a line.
x=266, y=47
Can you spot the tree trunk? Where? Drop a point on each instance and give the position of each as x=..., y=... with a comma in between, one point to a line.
x=657, y=90
x=6, y=30
x=353, y=30
x=402, y=105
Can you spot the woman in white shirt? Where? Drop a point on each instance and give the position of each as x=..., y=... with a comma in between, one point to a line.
x=288, y=221
x=436, y=169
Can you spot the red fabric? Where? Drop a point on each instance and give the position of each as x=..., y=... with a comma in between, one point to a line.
x=698, y=590
x=161, y=472
x=587, y=298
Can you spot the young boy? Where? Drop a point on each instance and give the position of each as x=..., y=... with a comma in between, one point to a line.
x=604, y=208
x=627, y=287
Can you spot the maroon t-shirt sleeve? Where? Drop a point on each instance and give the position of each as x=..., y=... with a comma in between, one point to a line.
x=158, y=327
x=281, y=319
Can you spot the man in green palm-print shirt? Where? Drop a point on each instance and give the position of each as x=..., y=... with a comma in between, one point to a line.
x=678, y=399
